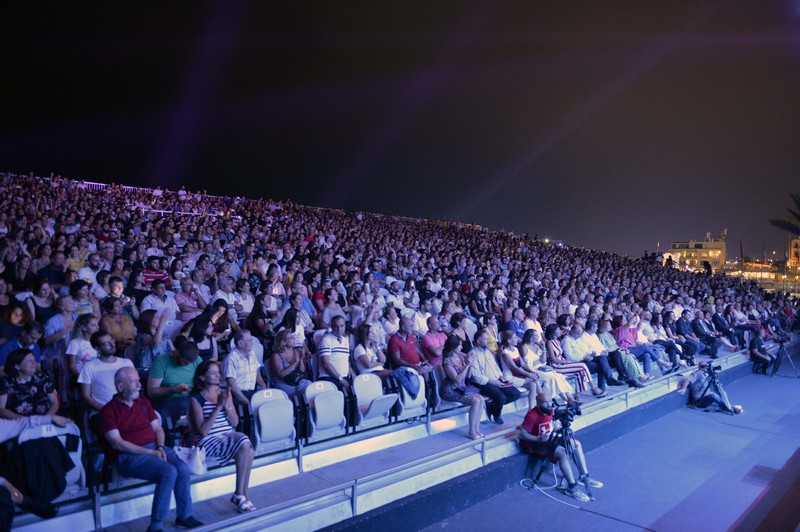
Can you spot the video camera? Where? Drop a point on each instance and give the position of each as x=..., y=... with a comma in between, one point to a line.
x=712, y=370
x=565, y=413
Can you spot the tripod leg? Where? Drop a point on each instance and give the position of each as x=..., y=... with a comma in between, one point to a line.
x=724, y=396
x=575, y=454
x=788, y=357
x=778, y=359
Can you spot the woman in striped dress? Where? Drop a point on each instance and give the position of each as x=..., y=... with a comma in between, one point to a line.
x=567, y=367
x=213, y=417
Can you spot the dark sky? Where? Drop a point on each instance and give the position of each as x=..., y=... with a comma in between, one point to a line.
x=611, y=125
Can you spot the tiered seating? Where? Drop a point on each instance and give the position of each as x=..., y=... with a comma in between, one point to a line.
x=324, y=419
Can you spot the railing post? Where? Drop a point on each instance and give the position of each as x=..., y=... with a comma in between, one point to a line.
x=97, y=509
x=354, y=498
x=300, y=456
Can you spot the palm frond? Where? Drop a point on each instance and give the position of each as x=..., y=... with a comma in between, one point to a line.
x=786, y=225
x=796, y=198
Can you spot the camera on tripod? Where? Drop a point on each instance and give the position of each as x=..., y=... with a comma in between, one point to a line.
x=712, y=369
x=565, y=413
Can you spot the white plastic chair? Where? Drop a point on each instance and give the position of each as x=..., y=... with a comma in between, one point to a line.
x=274, y=418
x=373, y=406
x=410, y=406
x=326, y=417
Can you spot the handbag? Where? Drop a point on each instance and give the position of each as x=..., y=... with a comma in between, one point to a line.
x=294, y=377
x=191, y=454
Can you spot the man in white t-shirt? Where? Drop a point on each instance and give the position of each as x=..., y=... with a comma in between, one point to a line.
x=96, y=380
x=334, y=355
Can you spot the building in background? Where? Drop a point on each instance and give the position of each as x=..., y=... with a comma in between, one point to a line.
x=693, y=254
x=793, y=260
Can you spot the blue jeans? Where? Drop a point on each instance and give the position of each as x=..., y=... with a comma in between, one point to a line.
x=644, y=354
x=169, y=476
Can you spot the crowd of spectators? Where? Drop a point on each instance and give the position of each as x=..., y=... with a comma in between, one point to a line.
x=191, y=289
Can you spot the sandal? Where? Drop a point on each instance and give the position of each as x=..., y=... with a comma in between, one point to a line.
x=242, y=504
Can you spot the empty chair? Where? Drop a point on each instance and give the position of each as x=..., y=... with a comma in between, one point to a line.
x=372, y=406
x=75, y=477
x=273, y=412
x=412, y=406
x=326, y=417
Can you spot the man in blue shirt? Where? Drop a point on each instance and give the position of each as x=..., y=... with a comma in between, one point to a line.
x=517, y=323
x=26, y=339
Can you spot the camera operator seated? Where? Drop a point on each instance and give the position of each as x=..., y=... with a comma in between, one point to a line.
x=697, y=381
x=759, y=355
x=534, y=435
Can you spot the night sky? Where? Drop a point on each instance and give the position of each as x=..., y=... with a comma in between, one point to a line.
x=610, y=125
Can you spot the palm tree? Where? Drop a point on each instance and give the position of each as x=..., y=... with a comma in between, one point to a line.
x=791, y=223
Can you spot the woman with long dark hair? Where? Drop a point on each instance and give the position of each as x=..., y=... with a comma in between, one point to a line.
x=455, y=387
x=201, y=333
x=368, y=355
x=213, y=416
x=555, y=355
x=534, y=358
x=41, y=304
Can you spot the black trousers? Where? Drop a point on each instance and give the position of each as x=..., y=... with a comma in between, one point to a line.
x=601, y=367
x=498, y=396
x=6, y=510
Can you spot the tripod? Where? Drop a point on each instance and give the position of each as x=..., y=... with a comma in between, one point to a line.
x=779, y=356
x=565, y=437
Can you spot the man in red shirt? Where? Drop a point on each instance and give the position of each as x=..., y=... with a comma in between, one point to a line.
x=153, y=271
x=534, y=435
x=131, y=427
x=404, y=350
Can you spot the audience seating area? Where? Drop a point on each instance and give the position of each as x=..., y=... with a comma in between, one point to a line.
x=237, y=265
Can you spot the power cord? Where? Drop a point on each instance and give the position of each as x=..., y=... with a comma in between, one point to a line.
x=530, y=485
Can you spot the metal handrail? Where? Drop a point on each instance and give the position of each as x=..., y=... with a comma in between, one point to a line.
x=353, y=485
x=248, y=516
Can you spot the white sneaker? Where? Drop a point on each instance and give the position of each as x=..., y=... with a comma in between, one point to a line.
x=576, y=493
x=586, y=480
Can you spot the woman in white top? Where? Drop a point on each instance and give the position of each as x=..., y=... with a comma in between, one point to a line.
x=368, y=356
x=373, y=319
x=550, y=381
x=243, y=298
x=514, y=369
x=391, y=321
x=79, y=349
x=411, y=295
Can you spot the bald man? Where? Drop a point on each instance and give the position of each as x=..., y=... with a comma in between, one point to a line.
x=534, y=435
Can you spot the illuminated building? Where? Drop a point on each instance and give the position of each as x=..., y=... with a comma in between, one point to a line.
x=692, y=254
x=794, y=253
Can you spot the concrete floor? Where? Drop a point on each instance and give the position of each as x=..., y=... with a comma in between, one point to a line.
x=689, y=470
